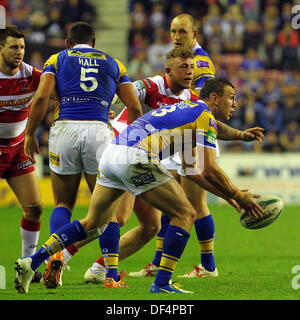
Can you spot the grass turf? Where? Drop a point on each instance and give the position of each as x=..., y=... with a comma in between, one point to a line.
x=252, y=264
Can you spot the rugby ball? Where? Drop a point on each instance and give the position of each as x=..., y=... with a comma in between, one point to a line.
x=272, y=207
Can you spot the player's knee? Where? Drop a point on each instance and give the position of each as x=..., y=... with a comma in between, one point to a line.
x=150, y=231
x=33, y=211
x=66, y=204
x=186, y=214
x=186, y=211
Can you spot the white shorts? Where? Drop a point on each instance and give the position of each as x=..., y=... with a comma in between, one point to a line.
x=77, y=146
x=128, y=168
x=174, y=162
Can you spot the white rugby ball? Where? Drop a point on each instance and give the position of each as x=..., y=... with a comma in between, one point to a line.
x=272, y=207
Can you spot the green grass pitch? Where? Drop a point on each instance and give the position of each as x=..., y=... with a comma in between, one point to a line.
x=252, y=264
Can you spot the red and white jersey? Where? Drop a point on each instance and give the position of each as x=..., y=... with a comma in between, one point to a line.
x=16, y=94
x=120, y=122
x=155, y=92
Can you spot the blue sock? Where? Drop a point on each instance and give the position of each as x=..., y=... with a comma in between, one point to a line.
x=59, y=217
x=174, y=243
x=63, y=237
x=165, y=221
x=109, y=244
x=205, y=230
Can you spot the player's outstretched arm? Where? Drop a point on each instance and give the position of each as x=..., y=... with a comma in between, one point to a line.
x=128, y=96
x=217, y=177
x=37, y=113
x=218, y=180
x=225, y=132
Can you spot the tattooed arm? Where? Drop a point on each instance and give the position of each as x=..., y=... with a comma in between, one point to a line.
x=226, y=132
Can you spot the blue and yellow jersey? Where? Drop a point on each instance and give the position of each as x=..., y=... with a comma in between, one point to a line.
x=86, y=82
x=203, y=67
x=170, y=129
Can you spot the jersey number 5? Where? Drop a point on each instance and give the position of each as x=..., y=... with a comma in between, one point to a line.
x=84, y=78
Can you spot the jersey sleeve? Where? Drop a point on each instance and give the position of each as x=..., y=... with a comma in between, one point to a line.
x=206, y=131
x=140, y=89
x=123, y=77
x=203, y=69
x=50, y=65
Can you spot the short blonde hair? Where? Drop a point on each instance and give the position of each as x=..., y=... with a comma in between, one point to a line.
x=178, y=52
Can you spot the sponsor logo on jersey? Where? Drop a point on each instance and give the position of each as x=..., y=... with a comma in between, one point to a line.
x=54, y=159
x=144, y=178
x=15, y=104
x=98, y=174
x=24, y=165
x=140, y=85
x=202, y=64
x=211, y=137
x=95, y=55
x=148, y=83
x=213, y=124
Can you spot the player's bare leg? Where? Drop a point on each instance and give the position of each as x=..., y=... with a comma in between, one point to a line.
x=149, y=224
x=204, y=227
x=171, y=199
x=30, y=200
x=151, y=268
x=97, y=272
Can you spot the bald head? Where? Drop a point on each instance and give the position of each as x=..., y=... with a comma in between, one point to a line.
x=187, y=19
x=183, y=31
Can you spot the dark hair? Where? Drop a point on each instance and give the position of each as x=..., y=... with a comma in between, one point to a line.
x=214, y=85
x=10, y=31
x=81, y=32
x=180, y=52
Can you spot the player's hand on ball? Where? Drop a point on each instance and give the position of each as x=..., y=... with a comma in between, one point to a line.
x=246, y=200
x=233, y=203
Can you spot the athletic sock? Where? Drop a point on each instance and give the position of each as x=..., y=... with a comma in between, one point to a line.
x=30, y=232
x=69, y=252
x=101, y=261
x=109, y=244
x=98, y=265
x=205, y=230
x=165, y=221
x=64, y=236
x=97, y=268
x=59, y=217
x=174, y=243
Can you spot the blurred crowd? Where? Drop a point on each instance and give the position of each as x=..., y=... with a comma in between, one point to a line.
x=251, y=42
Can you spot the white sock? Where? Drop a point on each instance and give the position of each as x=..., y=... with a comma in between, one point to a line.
x=29, y=242
x=67, y=255
x=97, y=268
